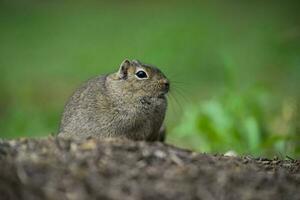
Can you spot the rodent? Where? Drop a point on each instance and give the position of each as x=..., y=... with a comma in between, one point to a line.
x=130, y=103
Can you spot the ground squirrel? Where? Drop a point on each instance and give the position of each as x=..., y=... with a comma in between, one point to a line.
x=130, y=103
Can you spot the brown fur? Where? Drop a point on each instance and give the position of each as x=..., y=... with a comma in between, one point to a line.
x=118, y=105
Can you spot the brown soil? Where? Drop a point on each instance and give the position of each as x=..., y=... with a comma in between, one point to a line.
x=62, y=169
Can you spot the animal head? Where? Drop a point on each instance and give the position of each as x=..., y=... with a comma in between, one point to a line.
x=141, y=80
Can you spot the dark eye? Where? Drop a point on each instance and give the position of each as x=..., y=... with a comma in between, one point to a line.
x=141, y=74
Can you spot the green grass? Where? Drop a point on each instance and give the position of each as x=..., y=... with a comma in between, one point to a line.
x=234, y=66
x=242, y=121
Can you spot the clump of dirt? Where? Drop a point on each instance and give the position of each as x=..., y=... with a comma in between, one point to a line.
x=56, y=168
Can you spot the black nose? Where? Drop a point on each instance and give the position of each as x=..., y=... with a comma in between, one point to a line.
x=167, y=86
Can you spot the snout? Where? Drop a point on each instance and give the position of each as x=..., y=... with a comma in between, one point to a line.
x=165, y=85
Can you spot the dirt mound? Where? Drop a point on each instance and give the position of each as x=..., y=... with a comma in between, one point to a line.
x=67, y=169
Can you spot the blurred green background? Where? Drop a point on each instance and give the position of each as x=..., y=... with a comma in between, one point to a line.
x=234, y=66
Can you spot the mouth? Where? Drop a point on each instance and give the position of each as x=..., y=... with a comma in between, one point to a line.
x=164, y=86
x=164, y=92
x=162, y=96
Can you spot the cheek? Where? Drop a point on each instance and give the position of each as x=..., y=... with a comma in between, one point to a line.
x=130, y=87
x=150, y=87
x=145, y=88
x=139, y=87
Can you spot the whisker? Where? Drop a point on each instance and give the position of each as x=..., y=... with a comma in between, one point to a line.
x=171, y=103
x=182, y=95
x=175, y=101
x=178, y=82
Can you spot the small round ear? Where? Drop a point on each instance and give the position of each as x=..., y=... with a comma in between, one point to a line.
x=123, y=70
x=136, y=62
